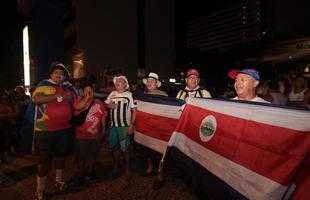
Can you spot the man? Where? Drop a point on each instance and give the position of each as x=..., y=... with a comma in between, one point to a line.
x=245, y=85
x=192, y=88
x=152, y=83
x=122, y=120
x=89, y=135
x=53, y=98
x=300, y=94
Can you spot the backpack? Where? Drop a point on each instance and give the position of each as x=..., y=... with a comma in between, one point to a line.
x=198, y=91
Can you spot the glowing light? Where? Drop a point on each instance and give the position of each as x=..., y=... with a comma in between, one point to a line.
x=26, y=57
x=172, y=80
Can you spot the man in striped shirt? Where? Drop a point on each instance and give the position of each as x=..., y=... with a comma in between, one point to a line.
x=122, y=119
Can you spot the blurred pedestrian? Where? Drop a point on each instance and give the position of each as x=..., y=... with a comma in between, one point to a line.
x=300, y=94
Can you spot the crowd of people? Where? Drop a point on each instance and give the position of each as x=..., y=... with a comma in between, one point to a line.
x=55, y=101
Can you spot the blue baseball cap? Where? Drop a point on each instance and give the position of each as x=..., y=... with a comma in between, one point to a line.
x=58, y=65
x=252, y=72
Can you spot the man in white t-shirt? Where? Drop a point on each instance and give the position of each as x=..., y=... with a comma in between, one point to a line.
x=122, y=119
x=245, y=84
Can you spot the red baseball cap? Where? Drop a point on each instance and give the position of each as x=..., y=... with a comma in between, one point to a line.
x=192, y=72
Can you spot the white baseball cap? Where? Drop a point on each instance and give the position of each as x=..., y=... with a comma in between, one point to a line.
x=123, y=77
x=152, y=75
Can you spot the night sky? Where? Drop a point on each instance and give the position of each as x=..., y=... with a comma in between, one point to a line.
x=284, y=23
x=11, y=44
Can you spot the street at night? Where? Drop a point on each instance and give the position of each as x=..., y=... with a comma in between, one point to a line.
x=20, y=175
x=155, y=100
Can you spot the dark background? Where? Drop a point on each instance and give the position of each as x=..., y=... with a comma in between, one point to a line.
x=283, y=20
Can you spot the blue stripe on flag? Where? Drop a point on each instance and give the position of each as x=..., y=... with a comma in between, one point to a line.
x=159, y=99
x=205, y=184
x=260, y=103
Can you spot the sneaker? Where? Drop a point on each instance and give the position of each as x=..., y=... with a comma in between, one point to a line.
x=61, y=186
x=39, y=195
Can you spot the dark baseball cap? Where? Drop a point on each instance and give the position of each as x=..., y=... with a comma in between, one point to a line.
x=58, y=65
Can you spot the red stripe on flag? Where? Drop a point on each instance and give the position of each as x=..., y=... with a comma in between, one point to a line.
x=271, y=151
x=155, y=126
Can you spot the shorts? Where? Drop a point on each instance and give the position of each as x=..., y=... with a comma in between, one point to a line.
x=119, y=138
x=87, y=148
x=54, y=144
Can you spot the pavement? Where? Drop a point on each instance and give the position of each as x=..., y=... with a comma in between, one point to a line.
x=19, y=177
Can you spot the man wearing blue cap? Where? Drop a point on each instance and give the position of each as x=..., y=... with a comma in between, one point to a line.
x=245, y=85
x=53, y=98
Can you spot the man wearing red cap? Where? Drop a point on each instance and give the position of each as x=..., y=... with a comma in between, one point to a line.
x=245, y=85
x=192, y=88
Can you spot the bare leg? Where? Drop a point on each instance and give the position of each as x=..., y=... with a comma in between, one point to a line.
x=42, y=171
x=150, y=166
x=59, y=168
x=127, y=165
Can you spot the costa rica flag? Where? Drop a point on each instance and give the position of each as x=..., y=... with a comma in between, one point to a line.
x=241, y=150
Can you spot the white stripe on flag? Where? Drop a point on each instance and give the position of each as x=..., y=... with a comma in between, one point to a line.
x=245, y=181
x=159, y=109
x=289, y=118
x=153, y=143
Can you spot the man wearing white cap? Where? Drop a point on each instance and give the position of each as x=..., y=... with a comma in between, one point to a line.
x=122, y=119
x=152, y=83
